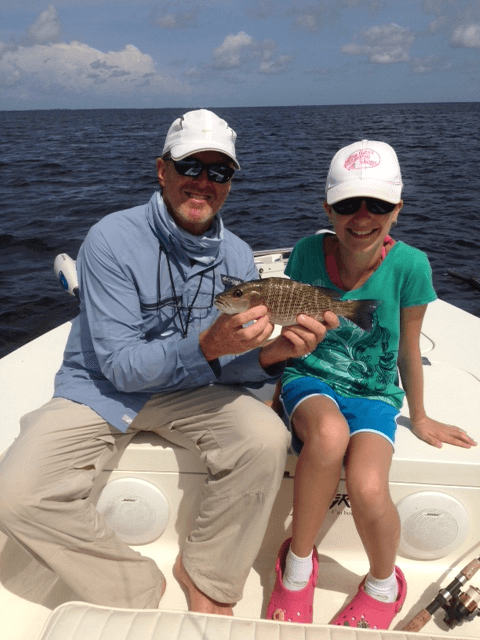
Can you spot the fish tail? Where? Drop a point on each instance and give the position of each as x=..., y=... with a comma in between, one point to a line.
x=363, y=314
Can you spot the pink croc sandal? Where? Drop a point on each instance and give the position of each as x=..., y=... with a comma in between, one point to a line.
x=292, y=606
x=367, y=613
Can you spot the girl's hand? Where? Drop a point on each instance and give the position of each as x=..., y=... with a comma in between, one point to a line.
x=435, y=433
x=297, y=340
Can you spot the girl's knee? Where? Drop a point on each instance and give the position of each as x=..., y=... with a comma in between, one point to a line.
x=327, y=441
x=370, y=497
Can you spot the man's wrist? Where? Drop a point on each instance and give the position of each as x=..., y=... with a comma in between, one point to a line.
x=206, y=348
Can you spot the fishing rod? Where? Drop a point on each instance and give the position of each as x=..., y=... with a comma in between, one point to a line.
x=458, y=605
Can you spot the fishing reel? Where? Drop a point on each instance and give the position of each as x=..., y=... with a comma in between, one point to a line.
x=462, y=606
x=458, y=605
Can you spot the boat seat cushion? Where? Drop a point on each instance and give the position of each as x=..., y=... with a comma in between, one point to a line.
x=82, y=621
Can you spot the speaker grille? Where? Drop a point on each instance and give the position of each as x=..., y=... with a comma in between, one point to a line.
x=136, y=510
x=430, y=529
x=433, y=525
x=127, y=515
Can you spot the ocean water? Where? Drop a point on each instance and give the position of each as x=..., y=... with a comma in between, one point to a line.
x=61, y=171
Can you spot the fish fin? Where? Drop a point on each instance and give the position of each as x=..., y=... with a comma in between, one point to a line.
x=364, y=313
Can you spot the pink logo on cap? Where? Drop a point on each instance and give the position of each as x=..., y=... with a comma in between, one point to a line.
x=362, y=159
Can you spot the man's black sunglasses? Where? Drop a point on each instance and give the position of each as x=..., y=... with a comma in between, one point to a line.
x=216, y=172
x=351, y=205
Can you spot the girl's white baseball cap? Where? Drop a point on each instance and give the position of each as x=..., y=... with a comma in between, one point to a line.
x=366, y=168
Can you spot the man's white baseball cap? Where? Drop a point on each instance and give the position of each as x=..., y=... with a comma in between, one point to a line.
x=200, y=130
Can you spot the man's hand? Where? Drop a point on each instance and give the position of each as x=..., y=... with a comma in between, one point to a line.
x=297, y=340
x=228, y=335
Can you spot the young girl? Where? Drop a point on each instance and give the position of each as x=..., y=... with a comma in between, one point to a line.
x=343, y=399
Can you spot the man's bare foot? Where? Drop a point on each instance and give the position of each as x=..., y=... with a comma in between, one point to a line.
x=197, y=600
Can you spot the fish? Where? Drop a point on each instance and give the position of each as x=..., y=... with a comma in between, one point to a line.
x=285, y=299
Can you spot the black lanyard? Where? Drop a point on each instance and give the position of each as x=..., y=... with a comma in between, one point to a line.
x=179, y=307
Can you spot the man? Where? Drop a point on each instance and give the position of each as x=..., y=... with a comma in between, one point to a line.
x=148, y=353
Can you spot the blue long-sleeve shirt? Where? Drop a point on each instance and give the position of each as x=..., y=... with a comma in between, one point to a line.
x=137, y=284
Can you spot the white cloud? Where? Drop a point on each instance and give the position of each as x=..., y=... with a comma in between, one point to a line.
x=234, y=51
x=383, y=44
x=430, y=64
x=467, y=36
x=312, y=17
x=307, y=22
x=182, y=14
x=241, y=51
x=176, y=20
x=79, y=68
x=42, y=65
x=438, y=25
x=263, y=9
x=272, y=65
x=46, y=28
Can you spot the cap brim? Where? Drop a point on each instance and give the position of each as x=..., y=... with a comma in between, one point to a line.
x=368, y=188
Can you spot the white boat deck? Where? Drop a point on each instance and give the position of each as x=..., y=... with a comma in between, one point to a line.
x=437, y=492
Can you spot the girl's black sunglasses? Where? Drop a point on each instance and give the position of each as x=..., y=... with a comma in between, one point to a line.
x=216, y=172
x=352, y=205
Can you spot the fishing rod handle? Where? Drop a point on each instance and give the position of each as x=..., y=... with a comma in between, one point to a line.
x=471, y=569
x=66, y=272
x=418, y=622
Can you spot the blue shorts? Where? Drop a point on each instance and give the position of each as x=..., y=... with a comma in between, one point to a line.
x=361, y=414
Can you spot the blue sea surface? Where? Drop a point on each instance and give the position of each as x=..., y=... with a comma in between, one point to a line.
x=61, y=171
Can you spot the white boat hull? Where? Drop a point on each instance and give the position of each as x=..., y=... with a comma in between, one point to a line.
x=438, y=491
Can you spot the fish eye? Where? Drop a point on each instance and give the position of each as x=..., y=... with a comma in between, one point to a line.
x=238, y=293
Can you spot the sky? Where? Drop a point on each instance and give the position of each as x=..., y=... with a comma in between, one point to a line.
x=82, y=54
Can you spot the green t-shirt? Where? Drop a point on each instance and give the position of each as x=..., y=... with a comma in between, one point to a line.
x=353, y=362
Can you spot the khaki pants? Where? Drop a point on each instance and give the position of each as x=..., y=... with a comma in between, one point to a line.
x=48, y=473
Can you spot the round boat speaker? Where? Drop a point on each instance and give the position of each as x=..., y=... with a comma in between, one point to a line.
x=136, y=510
x=433, y=525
